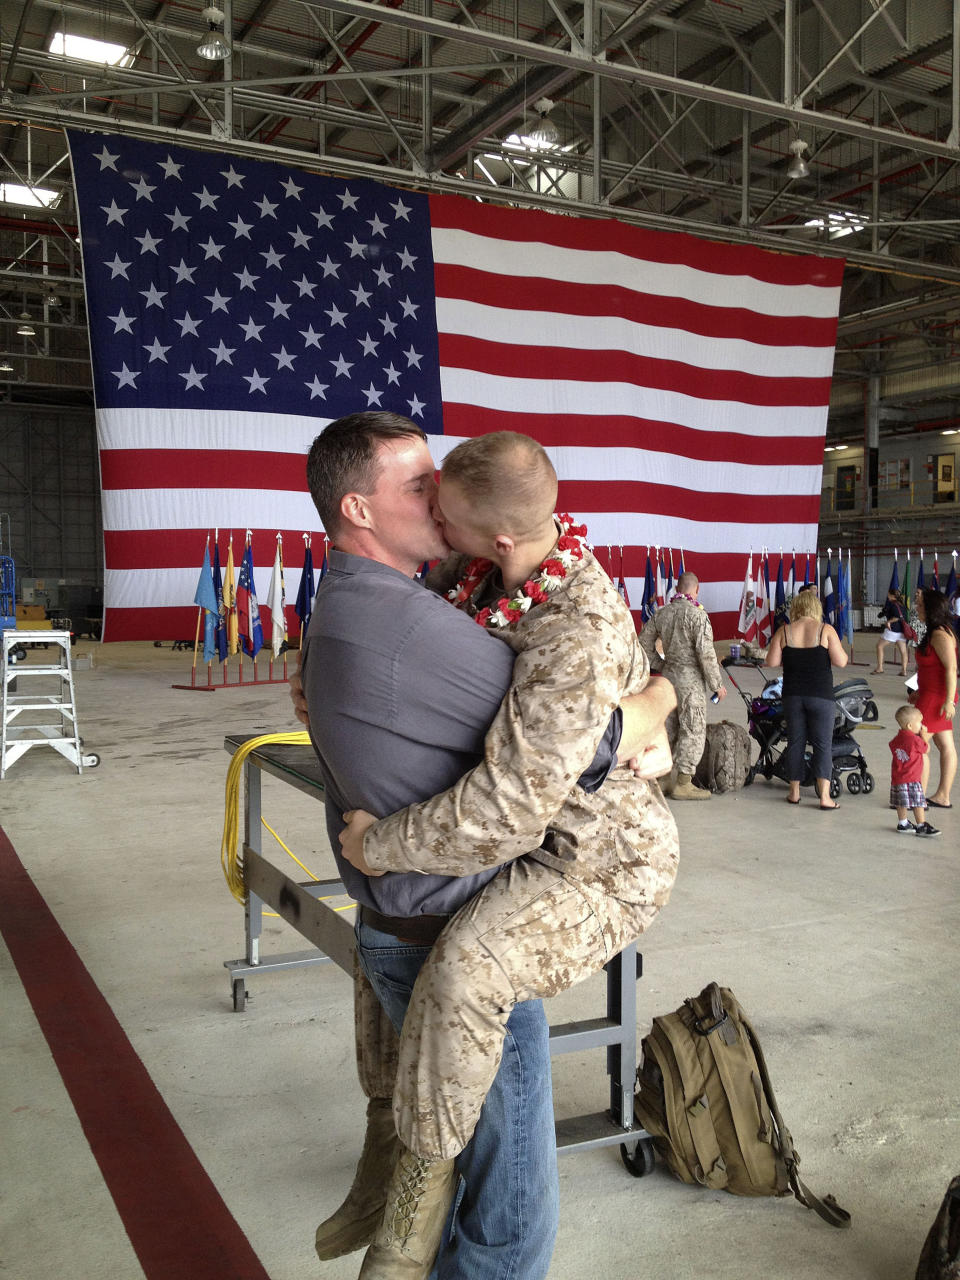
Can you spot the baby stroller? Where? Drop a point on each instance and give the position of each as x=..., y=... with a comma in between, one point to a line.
x=766, y=724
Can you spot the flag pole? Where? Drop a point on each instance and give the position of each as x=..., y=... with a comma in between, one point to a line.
x=196, y=638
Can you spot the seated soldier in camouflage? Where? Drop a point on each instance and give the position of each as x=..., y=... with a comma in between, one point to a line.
x=607, y=859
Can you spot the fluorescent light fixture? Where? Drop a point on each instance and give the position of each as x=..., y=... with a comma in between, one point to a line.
x=35, y=197
x=838, y=447
x=951, y=431
x=828, y=448
x=86, y=50
x=838, y=224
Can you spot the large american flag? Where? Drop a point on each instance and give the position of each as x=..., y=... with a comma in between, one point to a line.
x=236, y=307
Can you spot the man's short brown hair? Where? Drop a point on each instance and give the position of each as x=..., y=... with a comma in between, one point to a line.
x=343, y=459
x=508, y=475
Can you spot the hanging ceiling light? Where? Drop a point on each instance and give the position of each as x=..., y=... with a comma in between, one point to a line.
x=540, y=133
x=6, y=367
x=25, y=328
x=214, y=46
x=798, y=167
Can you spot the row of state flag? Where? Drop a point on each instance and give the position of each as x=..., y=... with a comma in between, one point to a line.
x=949, y=590
x=764, y=601
x=658, y=578
x=229, y=607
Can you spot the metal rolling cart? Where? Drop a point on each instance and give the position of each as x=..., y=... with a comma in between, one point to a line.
x=62, y=734
x=303, y=906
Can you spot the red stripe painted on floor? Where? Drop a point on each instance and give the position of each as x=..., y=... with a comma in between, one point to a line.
x=176, y=1219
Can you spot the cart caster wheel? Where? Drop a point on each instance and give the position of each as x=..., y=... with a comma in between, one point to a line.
x=836, y=786
x=868, y=782
x=854, y=782
x=239, y=995
x=19, y=654
x=91, y=761
x=640, y=1161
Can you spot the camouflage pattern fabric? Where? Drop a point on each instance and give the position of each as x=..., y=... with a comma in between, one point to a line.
x=375, y=1039
x=530, y=933
x=690, y=664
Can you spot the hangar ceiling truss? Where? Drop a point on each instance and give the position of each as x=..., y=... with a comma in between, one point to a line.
x=672, y=114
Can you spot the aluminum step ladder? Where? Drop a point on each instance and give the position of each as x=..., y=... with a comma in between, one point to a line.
x=19, y=700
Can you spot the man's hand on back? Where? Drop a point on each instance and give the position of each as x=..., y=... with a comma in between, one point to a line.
x=351, y=839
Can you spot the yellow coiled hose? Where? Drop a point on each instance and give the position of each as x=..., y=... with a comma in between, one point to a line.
x=231, y=858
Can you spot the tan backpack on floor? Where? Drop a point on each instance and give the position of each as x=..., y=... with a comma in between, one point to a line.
x=726, y=758
x=704, y=1096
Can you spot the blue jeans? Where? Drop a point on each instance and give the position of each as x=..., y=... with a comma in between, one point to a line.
x=504, y=1221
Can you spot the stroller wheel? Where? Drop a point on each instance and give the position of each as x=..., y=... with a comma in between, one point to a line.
x=836, y=786
x=868, y=783
x=751, y=774
x=853, y=783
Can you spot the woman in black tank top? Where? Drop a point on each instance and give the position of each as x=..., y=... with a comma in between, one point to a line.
x=808, y=648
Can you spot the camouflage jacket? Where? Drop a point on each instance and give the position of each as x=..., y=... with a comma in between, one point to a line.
x=577, y=656
x=686, y=636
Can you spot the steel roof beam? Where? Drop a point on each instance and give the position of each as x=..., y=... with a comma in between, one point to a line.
x=598, y=65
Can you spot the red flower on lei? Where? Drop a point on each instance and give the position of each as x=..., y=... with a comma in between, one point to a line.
x=536, y=590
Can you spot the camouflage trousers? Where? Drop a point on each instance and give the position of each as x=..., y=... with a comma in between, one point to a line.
x=687, y=725
x=375, y=1039
x=530, y=933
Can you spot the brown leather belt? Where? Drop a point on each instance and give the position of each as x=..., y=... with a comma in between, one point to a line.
x=420, y=930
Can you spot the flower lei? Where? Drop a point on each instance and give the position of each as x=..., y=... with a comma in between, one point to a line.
x=536, y=589
x=682, y=595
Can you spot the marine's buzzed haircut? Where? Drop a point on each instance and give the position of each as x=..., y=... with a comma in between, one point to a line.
x=688, y=583
x=343, y=459
x=509, y=481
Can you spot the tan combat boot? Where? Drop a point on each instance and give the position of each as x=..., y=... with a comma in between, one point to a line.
x=355, y=1223
x=685, y=789
x=418, y=1202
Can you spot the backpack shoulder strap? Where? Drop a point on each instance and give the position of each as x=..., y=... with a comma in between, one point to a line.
x=827, y=1208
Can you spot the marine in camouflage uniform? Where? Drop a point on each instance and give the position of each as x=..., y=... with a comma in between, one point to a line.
x=606, y=866
x=690, y=664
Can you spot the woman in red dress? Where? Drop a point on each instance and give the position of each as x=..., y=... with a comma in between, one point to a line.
x=936, y=695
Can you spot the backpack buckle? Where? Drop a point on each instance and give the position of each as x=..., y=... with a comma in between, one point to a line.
x=703, y=1027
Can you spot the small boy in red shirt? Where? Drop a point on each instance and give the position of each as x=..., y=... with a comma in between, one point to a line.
x=906, y=790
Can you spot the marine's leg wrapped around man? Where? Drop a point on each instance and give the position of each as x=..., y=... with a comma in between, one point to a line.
x=531, y=932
